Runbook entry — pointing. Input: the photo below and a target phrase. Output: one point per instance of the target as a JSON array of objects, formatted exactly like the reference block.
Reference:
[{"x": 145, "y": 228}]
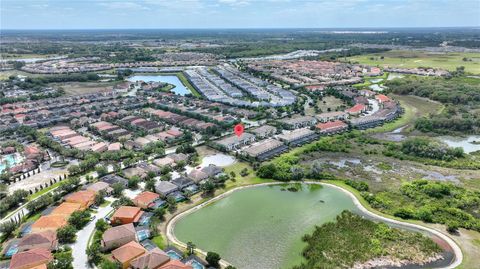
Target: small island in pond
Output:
[{"x": 355, "y": 242}]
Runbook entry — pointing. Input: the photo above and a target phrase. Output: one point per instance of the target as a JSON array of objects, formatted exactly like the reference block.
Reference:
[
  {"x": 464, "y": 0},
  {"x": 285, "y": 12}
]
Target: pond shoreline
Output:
[{"x": 458, "y": 255}]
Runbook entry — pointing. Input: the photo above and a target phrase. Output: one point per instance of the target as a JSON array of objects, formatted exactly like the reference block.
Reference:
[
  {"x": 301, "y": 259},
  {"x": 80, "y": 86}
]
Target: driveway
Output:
[{"x": 80, "y": 259}]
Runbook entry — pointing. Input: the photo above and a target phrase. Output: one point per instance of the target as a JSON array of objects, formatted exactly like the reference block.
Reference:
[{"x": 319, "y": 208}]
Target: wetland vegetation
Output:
[{"x": 367, "y": 241}]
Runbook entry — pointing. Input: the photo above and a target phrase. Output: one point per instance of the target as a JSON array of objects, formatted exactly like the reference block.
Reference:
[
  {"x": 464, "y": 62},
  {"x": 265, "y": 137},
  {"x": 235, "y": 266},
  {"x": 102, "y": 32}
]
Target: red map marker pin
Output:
[{"x": 238, "y": 129}]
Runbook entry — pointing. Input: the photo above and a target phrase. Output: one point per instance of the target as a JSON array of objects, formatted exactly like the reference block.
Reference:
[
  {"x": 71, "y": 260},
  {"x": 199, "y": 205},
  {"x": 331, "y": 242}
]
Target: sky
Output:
[{"x": 166, "y": 14}]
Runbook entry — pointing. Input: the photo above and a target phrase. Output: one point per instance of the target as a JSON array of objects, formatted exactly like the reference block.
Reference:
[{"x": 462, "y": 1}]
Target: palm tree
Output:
[{"x": 190, "y": 248}]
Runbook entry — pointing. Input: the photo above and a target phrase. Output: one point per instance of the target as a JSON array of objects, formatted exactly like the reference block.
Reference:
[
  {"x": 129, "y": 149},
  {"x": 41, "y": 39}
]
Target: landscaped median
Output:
[{"x": 357, "y": 200}]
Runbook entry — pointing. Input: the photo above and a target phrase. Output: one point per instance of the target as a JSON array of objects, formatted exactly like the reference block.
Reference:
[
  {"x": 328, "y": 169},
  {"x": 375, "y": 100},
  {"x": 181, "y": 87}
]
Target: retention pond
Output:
[{"x": 262, "y": 226}]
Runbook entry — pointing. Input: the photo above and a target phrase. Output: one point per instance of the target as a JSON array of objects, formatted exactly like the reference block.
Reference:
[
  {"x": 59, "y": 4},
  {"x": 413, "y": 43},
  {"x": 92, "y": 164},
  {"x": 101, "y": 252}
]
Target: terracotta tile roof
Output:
[
  {"x": 356, "y": 108},
  {"x": 128, "y": 252},
  {"x": 30, "y": 259},
  {"x": 81, "y": 197},
  {"x": 145, "y": 198},
  {"x": 31, "y": 150},
  {"x": 50, "y": 222},
  {"x": 66, "y": 209},
  {"x": 151, "y": 260},
  {"x": 175, "y": 264},
  {"x": 126, "y": 212},
  {"x": 331, "y": 124},
  {"x": 382, "y": 98}
]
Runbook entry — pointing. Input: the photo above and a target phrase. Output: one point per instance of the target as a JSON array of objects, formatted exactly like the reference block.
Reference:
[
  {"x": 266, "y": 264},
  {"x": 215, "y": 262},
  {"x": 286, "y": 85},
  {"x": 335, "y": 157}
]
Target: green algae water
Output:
[{"x": 262, "y": 227}]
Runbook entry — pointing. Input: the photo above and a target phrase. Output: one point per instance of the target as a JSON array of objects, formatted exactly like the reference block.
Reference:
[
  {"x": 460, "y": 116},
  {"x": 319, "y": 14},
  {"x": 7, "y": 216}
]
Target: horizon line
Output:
[{"x": 243, "y": 28}]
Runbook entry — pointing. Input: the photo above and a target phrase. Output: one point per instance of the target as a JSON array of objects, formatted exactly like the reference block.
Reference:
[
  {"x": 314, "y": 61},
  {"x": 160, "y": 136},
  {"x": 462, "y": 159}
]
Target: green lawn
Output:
[
  {"x": 412, "y": 59},
  {"x": 42, "y": 192},
  {"x": 414, "y": 107},
  {"x": 187, "y": 84},
  {"x": 159, "y": 241}
]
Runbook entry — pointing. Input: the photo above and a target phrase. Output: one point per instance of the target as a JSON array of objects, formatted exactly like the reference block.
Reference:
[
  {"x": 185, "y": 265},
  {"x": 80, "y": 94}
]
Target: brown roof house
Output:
[
  {"x": 118, "y": 236},
  {"x": 85, "y": 198},
  {"x": 126, "y": 214},
  {"x": 45, "y": 240},
  {"x": 197, "y": 175},
  {"x": 151, "y": 260},
  {"x": 146, "y": 199},
  {"x": 175, "y": 264},
  {"x": 128, "y": 252},
  {"x": 35, "y": 258},
  {"x": 100, "y": 186}
]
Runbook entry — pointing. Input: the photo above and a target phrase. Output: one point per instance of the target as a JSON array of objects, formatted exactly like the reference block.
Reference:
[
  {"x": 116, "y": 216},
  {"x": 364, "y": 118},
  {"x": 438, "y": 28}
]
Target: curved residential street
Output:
[{"x": 80, "y": 259}]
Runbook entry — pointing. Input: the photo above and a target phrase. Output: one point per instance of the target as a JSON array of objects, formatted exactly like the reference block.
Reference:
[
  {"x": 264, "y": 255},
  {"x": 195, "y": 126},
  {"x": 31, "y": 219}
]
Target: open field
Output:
[
  {"x": 76, "y": 88},
  {"x": 330, "y": 103},
  {"x": 412, "y": 59},
  {"x": 415, "y": 107},
  {"x": 13, "y": 56}
]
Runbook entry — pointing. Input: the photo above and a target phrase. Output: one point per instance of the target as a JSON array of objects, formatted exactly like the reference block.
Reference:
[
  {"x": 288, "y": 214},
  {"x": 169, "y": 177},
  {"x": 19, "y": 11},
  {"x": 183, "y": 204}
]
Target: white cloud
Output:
[{"x": 123, "y": 5}]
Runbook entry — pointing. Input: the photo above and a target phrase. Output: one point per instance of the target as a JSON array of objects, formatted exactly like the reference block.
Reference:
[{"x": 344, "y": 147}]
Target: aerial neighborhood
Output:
[{"x": 268, "y": 148}]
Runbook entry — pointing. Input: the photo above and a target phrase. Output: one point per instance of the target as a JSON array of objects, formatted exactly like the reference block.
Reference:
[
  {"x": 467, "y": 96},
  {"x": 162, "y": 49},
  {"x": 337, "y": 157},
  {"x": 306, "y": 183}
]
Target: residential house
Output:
[
  {"x": 50, "y": 222},
  {"x": 265, "y": 149},
  {"x": 36, "y": 258},
  {"x": 264, "y": 131},
  {"x": 233, "y": 142},
  {"x": 134, "y": 171},
  {"x": 100, "y": 186},
  {"x": 182, "y": 182},
  {"x": 44, "y": 240},
  {"x": 175, "y": 264},
  {"x": 165, "y": 188},
  {"x": 112, "y": 179},
  {"x": 165, "y": 161},
  {"x": 118, "y": 236},
  {"x": 85, "y": 198},
  {"x": 126, "y": 214},
  {"x": 127, "y": 253},
  {"x": 331, "y": 116},
  {"x": 146, "y": 199},
  {"x": 332, "y": 127},
  {"x": 298, "y": 122},
  {"x": 66, "y": 209},
  {"x": 178, "y": 157},
  {"x": 298, "y": 137},
  {"x": 197, "y": 175},
  {"x": 212, "y": 170},
  {"x": 150, "y": 260},
  {"x": 357, "y": 109}
]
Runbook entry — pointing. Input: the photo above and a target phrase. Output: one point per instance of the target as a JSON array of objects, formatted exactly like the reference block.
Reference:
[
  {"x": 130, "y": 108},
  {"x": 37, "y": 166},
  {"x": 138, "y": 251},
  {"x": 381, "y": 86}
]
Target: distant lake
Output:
[{"x": 179, "y": 89}]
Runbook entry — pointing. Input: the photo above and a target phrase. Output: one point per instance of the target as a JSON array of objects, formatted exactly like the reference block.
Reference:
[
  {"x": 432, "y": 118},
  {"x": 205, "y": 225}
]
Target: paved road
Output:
[{"x": 80, "y": 259}]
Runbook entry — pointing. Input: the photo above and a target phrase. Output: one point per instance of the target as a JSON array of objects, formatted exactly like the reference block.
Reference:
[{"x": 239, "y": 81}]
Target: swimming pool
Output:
[
  {"x": 196, "y": 265},
  {"x": 8, "y": 161},
  {"x": 142, "y": 235},
  {"x": 174, "y": 255},
  {"x": 13, "y": 250}
]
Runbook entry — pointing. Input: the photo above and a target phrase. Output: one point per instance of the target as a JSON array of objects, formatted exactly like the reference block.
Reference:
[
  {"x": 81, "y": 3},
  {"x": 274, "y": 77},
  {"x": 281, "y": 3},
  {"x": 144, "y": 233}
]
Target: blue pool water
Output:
[
  {"x": 174, "y": 255},
  {"x": 179, "y": 89},
  {"x": 197, "y": 265},
  {"x": 8, "y": 161},
  {"x": 142, "y": 235},
  {"x": 13, "y": 250}
]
